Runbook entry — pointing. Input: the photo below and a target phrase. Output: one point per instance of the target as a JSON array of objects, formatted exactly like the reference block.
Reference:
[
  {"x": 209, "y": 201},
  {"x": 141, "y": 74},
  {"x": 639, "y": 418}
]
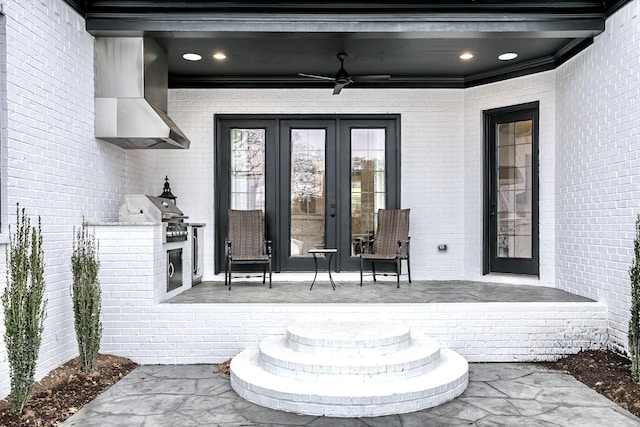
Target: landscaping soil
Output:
[
  {"x": 607, "y": 373},
  {"x": 65, "y": 390}
]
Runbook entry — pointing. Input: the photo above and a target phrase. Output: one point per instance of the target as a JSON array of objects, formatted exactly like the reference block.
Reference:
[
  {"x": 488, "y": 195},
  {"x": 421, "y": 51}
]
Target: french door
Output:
[
  {"x": 319, "y": 179},
  {"x": 511, "y": 190}
]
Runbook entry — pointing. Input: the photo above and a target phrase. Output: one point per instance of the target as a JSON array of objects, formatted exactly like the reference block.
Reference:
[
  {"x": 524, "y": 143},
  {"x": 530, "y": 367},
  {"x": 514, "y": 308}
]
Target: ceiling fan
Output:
[{"x": 342, "y": 78}]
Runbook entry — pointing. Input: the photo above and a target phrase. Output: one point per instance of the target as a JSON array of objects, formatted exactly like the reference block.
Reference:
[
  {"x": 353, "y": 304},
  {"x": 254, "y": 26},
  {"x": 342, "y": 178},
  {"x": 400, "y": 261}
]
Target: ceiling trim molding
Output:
[
  {"x": 427, "y": 25},
  {"x": 109, "y": 6}
]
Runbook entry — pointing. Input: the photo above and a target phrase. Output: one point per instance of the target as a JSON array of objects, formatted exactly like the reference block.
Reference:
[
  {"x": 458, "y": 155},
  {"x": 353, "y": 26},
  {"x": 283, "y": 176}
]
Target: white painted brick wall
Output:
[
  {"x": 52, "y": 165},
  {"x": 212, "y": 333},
  {"x": 598, "y": 168}
]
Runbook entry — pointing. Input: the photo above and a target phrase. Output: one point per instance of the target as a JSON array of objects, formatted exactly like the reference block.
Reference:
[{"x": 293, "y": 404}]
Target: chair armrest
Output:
[
  {"x": 365, "y": 244},
  {"x": 404, "y": 243}
]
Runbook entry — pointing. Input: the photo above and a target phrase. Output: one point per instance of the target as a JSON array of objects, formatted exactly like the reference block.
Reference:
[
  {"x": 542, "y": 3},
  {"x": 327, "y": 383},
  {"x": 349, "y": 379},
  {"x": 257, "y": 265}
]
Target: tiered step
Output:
[{"x": 349, "y": 369}]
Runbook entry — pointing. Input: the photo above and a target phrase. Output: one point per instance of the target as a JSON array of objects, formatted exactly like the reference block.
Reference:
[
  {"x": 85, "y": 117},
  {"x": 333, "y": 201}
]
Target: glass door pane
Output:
[
  {"x": 247, "y": 168},
  {"x": 514, "y": 190},
  {"x": 368, "y": 183},
  {"x": 307, "y": 185}
]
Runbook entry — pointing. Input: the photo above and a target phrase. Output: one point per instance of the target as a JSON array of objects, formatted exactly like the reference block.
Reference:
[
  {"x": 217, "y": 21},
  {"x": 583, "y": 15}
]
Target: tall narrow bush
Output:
[
  {"x": 634, "y": 323},
  {"x": 24, "y": 307},
  {"x": 86, "y": 297}
]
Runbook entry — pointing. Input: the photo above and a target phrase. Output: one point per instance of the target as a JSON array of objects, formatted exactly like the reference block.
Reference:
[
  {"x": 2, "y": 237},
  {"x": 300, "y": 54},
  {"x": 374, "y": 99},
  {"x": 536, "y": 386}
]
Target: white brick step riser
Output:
[
  {"x": 348, "y": 399},
  {"x": 417, "y": 359},
  {"x": 359, "y": 337}
]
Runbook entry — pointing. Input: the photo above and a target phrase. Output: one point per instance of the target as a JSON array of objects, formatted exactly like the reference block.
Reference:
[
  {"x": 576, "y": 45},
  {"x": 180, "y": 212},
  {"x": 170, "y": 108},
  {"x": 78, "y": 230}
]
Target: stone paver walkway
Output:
[{"x": 499, "y": 394}]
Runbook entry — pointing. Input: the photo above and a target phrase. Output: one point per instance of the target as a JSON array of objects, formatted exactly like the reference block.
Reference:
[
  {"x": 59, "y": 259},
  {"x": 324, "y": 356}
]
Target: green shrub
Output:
[
  {"x": 634, "y": 323},
  {"x": 86, "y": 297},
  {"x": 24, "y": 308}
]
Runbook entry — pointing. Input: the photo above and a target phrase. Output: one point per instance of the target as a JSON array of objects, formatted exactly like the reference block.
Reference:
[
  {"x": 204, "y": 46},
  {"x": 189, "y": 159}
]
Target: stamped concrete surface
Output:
[
  {"x": 295, "y": 290},
  {"x": 499, "y": 394}
]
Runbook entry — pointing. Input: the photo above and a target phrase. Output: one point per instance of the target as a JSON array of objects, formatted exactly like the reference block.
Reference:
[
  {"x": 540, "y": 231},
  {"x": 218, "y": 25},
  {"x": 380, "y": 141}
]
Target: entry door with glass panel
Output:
[
  {"x": 319, "y": 180},
  {"x": 308, "y": 206},
  {"x": 512, "y": 215},
  {"x": 372, "y": 151}
]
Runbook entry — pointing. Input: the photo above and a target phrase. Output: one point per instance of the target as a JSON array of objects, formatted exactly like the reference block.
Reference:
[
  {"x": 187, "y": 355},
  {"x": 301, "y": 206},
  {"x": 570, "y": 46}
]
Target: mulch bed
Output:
[
  {"x": 65, "y": 390},
  {"x": 607, "y": 373}
]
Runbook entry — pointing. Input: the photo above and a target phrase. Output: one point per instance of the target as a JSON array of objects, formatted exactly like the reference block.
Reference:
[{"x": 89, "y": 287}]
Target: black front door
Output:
[{"x": 511, "y": 195}]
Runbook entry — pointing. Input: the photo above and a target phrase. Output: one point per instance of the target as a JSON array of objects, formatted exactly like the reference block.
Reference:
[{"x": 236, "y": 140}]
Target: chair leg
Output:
[
  {"x": 360, "y": 271},
  {"x": 229, "y": 269},
  {"x": 398, "y": 271},
  {"x": 226, "y": 272},
  {"x": 264, "y": 274},
  {"x": 409, "y": 268},
  {"x": 269, "y": 274},
  {"x": 373, "y": 270}
]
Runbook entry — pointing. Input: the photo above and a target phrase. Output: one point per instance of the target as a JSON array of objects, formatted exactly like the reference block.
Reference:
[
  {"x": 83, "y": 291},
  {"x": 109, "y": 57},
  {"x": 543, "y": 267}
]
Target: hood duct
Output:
[{"x": 131, "y": 82}]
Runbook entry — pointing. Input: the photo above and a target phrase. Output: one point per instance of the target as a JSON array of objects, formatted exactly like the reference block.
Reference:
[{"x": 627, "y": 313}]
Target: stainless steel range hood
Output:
[{"x": 131, "y": 83}]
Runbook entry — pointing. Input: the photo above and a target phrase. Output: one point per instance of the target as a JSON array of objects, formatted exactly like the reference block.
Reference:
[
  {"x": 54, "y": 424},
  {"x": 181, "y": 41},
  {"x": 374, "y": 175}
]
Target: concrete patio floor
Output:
[
  {"x": 499, "y": 394},
  {"x": 295, "y": 289}
]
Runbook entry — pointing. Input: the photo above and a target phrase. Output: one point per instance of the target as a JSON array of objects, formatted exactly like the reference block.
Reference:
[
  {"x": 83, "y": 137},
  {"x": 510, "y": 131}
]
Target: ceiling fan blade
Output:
[
  {"x": 338, "y": 87},
  {"x": 313, "y": 76},
  {"x": 370, "y": 77}
]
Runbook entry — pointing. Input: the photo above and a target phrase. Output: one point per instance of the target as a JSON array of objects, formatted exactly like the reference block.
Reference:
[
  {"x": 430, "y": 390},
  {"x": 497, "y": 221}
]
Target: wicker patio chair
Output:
[
  {"x": 246, "y": 243},
  {"x": 390, "y": 243}
]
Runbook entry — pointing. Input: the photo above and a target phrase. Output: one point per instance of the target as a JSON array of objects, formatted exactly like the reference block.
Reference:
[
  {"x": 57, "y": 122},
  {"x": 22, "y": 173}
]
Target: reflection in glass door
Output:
[
  {"x": 368, "y": 183},
  {"x": 515, "y": 146},
  {"x": 247, "y": 168},
  {"x": 307, "y": 209}
]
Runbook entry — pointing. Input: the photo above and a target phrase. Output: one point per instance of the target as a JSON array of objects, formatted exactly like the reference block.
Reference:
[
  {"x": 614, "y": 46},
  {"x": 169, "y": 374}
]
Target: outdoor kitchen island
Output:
[
  {"x": 146, "y": 254},
  {"x": 136, "y": 263}
]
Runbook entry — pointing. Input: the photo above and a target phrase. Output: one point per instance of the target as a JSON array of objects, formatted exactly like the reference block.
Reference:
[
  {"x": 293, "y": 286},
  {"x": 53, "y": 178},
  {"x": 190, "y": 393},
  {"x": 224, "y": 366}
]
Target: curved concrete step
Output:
[
  {"x": 420, "y": 357},
  {"x": 334, "y": 397},
  {"x": 356, "y": 337}
]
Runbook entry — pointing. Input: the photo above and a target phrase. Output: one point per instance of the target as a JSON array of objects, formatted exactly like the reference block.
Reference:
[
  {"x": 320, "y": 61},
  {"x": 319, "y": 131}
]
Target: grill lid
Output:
[{"x": 142, "y": 208}]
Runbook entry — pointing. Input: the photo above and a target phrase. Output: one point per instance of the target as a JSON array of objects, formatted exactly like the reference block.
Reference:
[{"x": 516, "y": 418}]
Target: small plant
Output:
[
  {"x": 86, "y": 297},
  {"x": 634, "y": 323},
  {"x": 24, "y": 308}
]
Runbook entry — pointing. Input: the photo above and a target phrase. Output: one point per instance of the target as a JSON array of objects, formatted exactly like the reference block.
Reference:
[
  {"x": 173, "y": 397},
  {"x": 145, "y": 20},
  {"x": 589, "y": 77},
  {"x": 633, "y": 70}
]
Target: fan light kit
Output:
[{"x": 342, "y": 77}]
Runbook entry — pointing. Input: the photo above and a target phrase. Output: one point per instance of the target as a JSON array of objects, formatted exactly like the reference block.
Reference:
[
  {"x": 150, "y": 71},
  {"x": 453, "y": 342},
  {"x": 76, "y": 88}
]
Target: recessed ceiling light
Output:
[
  {"x": 465, "y": 56},
  {"x": 219, "y": 56},
  {"x": 192, "y": 57},
  {"x": 508, "y": 56}
]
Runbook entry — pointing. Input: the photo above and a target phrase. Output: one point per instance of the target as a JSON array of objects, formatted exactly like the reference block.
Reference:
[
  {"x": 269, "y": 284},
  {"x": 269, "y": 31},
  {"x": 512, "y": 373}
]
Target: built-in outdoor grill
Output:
[{"x": 141, "y": 208}]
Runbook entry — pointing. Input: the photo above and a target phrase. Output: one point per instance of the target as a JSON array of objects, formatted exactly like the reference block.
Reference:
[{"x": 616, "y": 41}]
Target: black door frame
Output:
[
  {"x": 274, "y": 153},
  {"x": 491, "y": 263}
]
